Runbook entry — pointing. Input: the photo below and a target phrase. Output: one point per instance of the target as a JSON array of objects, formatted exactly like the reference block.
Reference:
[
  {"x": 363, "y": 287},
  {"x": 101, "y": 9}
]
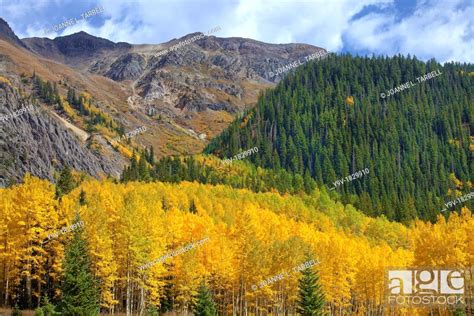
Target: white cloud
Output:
[
  {"x": 156, "y": 21},
  {"x": 443, "y": 30},
  {"x": 319, "y": 22}
]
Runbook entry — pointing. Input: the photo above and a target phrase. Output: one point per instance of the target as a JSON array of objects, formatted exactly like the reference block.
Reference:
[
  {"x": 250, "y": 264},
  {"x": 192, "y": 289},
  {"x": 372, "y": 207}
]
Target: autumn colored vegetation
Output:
[
  {"x": 252, "y": 236},
  {"x": 78, "y": 107}
]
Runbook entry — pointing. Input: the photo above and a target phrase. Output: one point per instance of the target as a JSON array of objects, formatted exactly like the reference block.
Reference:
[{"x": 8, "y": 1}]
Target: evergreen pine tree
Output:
[
  {"x": 152, "y": 155},
  {"x": 192, "y": 207},
  {"x": 205, "y": 304},
  {"x": 459, "y": 312},
  {"x": 79, "y": 289},
  {"x": 82, "y": 198},
  {"x": 133, "y": 170},
  {"x": 143, "y": 173},
  {"x": 66, "y": 182},
  {"x": 46, "y": 309},
  {"x": 311, "y": 296}
]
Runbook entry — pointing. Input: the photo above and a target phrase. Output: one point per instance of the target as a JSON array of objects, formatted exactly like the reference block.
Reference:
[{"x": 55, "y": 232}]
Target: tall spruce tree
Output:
[
  {"x": 143, "y": 173},
  {"x": 205, "y": 305},
  {"x": 66, "y": 182},
  {"x": 79, "y": 289},
  {"x": 311, "y": 296}
]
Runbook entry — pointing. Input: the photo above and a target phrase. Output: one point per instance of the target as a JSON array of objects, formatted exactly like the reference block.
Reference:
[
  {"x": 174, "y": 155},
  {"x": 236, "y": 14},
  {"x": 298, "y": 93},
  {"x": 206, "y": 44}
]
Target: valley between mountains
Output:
[{"x": 227, "y": 176}]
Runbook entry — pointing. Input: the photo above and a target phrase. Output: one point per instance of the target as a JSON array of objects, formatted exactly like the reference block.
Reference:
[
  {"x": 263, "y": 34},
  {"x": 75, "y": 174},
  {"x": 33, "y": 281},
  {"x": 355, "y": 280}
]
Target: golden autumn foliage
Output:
[
  {"x": 350, "y": 100},
  {"x": 68, "y": 109},
  {"x": 122, "y": 148},
  {"x": 252, "y": 236},
  {"x": 5, "y": 80},
  {"x": 455, "y": 142},
  {"x": 88, "y": 105},
  {"x": 246, "y": 119}
]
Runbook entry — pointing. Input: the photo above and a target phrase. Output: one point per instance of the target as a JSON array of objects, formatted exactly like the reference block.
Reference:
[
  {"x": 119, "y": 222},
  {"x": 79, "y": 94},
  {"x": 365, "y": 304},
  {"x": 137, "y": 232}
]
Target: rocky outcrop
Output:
[
  {"x": 8, "y": 35},
  {"x": 78, "y": 44},
  {"x": 209, "y": 73},
  {"x": 188, "y": 84},
  {"x": 128, "y": 66},
  {"x": 31, "y": 140}
]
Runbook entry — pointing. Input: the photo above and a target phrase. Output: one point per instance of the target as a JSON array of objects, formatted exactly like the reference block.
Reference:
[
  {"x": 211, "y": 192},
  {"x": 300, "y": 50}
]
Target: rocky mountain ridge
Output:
[
  {"x": 7, "y": 34},
  {"x": 183, "y": 96},
  {"x": 205, "y": 74}
]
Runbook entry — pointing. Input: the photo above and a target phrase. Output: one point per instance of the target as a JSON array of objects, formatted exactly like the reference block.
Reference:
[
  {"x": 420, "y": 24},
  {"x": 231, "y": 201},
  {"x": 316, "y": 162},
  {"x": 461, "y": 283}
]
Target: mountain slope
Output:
[
  {"x": 329, "y": 120},
  {"x": 183, "y": 97},
  {"x": 34, "y": 140},
  {"x": 216, "y": 74},
  {"x": 74, "y": 50},
  {"x": 8, "y": 35}
]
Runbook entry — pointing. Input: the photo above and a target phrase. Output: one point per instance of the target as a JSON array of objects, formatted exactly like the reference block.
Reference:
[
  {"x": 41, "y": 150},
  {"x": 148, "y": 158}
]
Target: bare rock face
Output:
[
  {"x": 126, "y": 67},
  {"x": 31, "y": 140},
  {"x": 209, "y": 73},
  {"x": 185, "y": 91},
  {"x": 8, "y": 35}
]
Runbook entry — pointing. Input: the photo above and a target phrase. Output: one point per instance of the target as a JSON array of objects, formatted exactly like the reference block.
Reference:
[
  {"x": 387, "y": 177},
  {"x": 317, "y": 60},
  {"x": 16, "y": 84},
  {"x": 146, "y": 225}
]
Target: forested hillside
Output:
[
  {"x": 244, "y": 238},
  {"x": 329, "y": 120},
  {"x": 208, "y": 169}
]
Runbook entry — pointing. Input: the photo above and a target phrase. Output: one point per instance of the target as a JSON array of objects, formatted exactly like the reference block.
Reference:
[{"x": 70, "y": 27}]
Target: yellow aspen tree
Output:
[
  {"x": 8, "y": 240},
  {"x": 34, "y": 201}
]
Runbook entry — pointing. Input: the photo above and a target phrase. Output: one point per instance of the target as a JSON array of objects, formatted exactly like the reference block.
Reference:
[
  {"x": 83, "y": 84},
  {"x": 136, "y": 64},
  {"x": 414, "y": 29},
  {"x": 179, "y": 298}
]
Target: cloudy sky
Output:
[{"x": 441, "y": 29}]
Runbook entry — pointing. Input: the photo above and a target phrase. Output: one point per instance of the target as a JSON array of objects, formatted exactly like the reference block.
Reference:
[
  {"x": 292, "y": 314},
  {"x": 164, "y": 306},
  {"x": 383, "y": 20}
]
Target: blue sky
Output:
[{"x": 428, "y": 29}]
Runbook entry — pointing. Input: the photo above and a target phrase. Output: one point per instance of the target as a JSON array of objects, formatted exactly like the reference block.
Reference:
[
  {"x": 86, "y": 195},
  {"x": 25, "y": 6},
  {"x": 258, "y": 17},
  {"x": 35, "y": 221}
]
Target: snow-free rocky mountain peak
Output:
[{"x": 184, "y": 97}]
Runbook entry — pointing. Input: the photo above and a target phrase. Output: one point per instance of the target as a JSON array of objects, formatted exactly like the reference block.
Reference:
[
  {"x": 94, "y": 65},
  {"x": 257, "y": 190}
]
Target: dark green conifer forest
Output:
[{"x": 416, "y": 143}]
